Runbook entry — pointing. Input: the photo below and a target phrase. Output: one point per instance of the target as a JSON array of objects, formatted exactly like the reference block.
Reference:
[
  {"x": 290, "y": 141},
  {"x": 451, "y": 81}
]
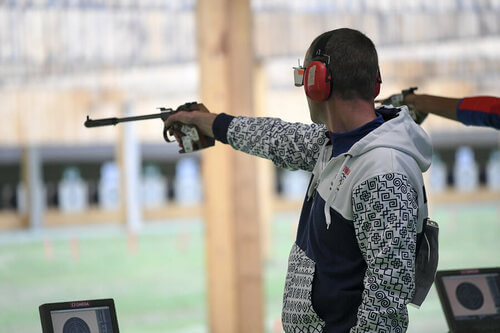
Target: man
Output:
[{"x": 352, "y": 267}]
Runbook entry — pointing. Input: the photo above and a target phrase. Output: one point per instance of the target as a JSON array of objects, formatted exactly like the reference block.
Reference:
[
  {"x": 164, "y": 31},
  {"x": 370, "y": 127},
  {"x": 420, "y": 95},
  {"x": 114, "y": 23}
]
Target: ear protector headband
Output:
[{"x": 317, "y": 78}]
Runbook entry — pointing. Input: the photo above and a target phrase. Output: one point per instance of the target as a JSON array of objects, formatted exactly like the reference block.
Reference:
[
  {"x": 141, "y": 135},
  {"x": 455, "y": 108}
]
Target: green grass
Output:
[
  {"x": 469, "y": 237},
  {"x": 161, "y": 287}
]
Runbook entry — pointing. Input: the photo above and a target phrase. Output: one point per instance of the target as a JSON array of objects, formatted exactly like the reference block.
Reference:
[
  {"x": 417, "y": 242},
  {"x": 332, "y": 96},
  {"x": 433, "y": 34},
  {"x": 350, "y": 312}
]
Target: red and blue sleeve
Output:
[{"x": 479, "y": 111}]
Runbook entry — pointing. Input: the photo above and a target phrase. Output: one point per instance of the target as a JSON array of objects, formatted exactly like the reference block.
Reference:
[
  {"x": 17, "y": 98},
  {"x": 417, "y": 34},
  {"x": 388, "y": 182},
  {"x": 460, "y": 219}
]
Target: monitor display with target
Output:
[
  {"x": 470, "y": 299},
  {"x": 93, "y": 316}
]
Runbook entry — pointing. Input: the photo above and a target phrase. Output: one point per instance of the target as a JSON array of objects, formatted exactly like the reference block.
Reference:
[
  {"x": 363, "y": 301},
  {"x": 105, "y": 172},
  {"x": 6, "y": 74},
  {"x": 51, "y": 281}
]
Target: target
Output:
[{"x": 76, "y": 325}]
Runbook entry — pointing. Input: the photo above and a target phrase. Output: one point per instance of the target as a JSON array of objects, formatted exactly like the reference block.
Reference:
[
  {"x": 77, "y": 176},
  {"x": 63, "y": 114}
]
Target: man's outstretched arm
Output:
[{"x": 287, "y": 145}]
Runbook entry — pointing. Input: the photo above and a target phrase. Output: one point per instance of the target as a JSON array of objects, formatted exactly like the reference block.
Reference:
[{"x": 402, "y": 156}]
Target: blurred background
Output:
[{"x": 65, "y": 233}]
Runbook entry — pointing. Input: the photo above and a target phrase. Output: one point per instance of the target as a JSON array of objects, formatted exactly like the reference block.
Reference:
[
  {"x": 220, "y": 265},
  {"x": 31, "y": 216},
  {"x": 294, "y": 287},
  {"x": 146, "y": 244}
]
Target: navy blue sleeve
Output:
[{"x": 220, "y": 127}]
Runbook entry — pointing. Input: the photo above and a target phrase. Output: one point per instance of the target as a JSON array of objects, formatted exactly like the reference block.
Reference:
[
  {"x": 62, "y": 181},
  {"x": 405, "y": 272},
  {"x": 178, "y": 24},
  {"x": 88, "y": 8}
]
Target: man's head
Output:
[{"x": 352, "y": 62}]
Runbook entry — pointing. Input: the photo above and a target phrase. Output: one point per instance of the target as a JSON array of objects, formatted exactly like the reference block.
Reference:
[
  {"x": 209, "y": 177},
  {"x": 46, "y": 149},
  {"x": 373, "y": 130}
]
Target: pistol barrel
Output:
[
  {"x": 113, "y": 121},
  {"x": 101, "y": 122}
]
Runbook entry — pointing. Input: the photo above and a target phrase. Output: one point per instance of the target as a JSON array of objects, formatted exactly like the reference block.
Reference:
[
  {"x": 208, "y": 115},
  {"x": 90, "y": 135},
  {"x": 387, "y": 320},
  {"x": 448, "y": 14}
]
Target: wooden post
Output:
[
  {"x": 33, "y": 185},
  {"x": 265, "y": 168},
  {"x": 129, "y": 159},
  {"x": 235, "y": 294}
]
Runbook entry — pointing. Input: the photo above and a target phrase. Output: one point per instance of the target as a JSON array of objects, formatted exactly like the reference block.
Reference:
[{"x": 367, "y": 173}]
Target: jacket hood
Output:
[
  {"x": 401, "y": 133},
  {"x": 398, "y": 132}
]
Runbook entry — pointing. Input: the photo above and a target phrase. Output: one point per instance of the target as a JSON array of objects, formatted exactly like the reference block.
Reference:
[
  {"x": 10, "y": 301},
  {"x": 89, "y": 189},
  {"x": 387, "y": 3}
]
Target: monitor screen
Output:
[
  {"x": 473, "y": 296},
  {"x": 470, "y": 299},
  {"x": 81, "y": 316}
]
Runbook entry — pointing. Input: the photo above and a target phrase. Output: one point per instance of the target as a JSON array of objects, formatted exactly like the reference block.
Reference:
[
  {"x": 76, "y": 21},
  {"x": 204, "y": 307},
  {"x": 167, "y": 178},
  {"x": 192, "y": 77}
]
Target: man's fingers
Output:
[
  {"x": 180, "y": 117},
  {"x": 178, "y": 138},
  {"x": 201, "y": 118}
]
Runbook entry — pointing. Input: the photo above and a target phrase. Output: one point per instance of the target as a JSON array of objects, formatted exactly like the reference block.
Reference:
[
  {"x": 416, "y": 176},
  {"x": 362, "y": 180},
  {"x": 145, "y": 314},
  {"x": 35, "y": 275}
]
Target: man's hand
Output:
[
  {"x": 409, "y": 100},
  {"x": 201, "y": 118}
]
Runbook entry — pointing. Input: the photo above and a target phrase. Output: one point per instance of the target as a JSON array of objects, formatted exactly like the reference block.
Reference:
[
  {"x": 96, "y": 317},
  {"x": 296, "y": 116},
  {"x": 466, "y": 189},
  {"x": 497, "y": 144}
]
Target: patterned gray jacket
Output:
[{"x": 352, "y": 266}]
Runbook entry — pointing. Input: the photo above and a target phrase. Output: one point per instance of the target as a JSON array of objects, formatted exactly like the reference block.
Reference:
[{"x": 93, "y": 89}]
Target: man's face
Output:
[{"x": 316, "y": 111}]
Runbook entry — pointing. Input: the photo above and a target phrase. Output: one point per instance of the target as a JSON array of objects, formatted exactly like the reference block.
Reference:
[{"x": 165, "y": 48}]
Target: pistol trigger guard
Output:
[{"x": 166, "y": 135}]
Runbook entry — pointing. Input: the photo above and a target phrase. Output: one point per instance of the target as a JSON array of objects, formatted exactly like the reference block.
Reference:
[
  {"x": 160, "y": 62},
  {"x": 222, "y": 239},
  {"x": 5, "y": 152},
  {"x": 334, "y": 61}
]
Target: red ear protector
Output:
[
  {"x": 317, "y": 78},
  {"x": 318, "y": 81}
]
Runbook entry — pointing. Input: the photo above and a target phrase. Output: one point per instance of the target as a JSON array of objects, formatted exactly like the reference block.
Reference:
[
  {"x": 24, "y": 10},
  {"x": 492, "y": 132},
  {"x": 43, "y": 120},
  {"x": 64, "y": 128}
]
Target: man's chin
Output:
[{"x": 315, "y": 120}]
